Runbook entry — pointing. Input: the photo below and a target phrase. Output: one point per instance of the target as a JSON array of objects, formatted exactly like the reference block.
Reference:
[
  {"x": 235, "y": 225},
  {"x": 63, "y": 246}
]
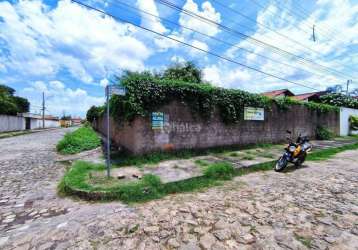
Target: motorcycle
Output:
[{"x": 295, "y": 152}]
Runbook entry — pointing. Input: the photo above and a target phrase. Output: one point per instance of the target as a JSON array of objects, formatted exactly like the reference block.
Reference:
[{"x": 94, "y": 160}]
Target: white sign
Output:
[
  {"x": 116, "y": 90},
  {"x": 254, "y": 114}
]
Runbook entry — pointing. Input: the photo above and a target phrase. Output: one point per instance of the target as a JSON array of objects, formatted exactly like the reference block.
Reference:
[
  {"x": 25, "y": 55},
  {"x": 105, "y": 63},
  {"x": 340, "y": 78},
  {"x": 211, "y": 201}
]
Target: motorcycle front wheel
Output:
[{"x": 281, "y": 164}]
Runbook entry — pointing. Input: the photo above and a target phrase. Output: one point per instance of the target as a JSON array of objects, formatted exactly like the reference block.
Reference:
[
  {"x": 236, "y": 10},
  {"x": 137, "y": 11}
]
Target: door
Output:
[{"x": 27, "y": 123}]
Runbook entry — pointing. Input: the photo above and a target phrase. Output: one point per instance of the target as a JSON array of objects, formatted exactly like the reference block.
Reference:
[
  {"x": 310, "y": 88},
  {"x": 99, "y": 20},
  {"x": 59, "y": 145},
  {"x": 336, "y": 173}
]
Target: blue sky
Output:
[{"x": 69, "y": 51}]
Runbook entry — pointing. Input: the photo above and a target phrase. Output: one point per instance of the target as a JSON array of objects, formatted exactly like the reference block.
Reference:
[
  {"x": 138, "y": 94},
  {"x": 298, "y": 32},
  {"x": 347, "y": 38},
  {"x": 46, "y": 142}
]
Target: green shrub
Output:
[
  {"x": 323, "y": 133},
  {"x": 340, "y": 100},
  {"x": 84, "y": 138},
  {"x": 221, "y": 170},
  {"x": 353, "y": 122}
]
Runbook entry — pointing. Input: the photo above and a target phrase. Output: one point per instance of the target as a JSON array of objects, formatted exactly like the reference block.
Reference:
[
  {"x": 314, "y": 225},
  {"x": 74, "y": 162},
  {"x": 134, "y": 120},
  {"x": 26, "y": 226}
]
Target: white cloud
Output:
[
  {"x": 208, "y": 11},
  {"x": 177, "y": 59},
  {"x": 59, "y": 98},
  {"x": 104, "y": 82},
  {"x": 150, "y": 21},
  {"x": 200, "y": 45},
  {"x": 42, "y": 41}
]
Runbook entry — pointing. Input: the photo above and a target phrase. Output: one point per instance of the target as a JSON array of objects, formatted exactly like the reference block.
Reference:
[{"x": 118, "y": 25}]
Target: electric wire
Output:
[
  {"x": 192, "y": 46},
  {"x": 273, "y": 48},
  {"x": 117, "y": 3}
]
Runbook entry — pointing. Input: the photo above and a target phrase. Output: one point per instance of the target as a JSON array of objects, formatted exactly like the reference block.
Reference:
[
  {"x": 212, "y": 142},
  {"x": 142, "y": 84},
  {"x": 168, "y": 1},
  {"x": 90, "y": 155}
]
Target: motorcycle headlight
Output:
[{"x": 291, "y": 149}]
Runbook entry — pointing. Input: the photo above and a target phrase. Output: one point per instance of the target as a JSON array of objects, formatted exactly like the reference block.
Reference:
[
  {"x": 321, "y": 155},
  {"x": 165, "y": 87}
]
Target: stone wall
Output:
[{"x": 184, "y": 130}]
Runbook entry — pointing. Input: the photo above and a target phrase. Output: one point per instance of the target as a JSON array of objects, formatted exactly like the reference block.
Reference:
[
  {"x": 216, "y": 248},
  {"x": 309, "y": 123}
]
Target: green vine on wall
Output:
[{"x": 147, "y": 93}]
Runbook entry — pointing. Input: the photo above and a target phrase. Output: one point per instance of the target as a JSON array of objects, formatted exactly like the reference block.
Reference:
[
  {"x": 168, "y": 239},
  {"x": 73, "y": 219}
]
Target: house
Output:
[
  {"x": 309, "y": 97},
  {"x": 278, "y": 93},
  {"x": 76, "y": 121}
]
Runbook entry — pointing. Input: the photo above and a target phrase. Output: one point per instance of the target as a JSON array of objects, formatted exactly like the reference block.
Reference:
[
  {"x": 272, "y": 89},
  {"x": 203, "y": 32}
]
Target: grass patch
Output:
[
  {"x": 220, "y": 170},
  {"x": 248, "y": 157},
  {"x": 202, "y": 163},
  {"x": 82, "y": 139},
  {"x": 329, "y": 152}
]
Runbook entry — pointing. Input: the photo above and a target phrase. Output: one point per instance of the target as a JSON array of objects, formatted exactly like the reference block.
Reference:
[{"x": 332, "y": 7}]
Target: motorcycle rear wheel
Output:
[{"x": 281, "y": 164}]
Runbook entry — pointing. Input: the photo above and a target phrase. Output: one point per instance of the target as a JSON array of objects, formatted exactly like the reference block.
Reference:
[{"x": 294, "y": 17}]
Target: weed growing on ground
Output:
[
  {"x": 306, "y": 241},
  {"x": 202, "y": 163},
  {"x": 82, "y": 139}
]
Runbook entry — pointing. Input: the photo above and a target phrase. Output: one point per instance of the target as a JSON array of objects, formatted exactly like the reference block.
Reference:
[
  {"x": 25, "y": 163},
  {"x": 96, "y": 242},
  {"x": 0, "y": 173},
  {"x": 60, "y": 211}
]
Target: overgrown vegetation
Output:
[
  {"x": 11, "y": 104},
  {"x": 353, "y": 122},
  {"x": 146, "y": 92},
  {"x": 323, "y": 133},
  {"x": 340, "y": 100},
  {"x": 76, "y": 180},
  {"x": 84, "y": 138}
]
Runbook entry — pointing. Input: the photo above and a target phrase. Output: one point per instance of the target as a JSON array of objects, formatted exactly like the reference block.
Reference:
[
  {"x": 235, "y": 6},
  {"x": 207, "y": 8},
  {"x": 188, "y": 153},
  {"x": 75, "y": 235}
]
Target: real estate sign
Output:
[
  {"x": 254, "y": 114},
  {"x": 157, "y": 120}
]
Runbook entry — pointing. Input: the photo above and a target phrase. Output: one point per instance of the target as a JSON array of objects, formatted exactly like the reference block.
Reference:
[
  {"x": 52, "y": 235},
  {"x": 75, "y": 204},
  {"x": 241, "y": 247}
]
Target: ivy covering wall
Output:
[{"x": 146, "y": 93}]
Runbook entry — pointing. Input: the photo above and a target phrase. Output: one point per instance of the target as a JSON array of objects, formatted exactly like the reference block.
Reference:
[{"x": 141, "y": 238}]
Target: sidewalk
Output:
[{"x": 181, "y": 169}]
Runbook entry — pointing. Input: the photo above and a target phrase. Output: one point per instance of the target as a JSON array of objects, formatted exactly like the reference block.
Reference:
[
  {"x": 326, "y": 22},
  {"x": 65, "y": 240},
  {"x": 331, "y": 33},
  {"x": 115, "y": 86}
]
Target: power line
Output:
[
  {"x": 267, "y": 27},
  {"x": 263, "y": 25},
  {"x": 192, "y": 46},
  {"x": 256, "y": 2},
  {"x": 304, "y": 15},
  {"x": 276, "y": 49},
  {"x": 208, "y": 36}
]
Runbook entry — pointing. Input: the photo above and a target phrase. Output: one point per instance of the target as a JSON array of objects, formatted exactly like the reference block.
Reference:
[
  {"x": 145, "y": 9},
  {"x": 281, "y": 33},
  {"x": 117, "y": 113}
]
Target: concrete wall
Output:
[
  {"x": 345, "y": 113},
  {"x": 183, "y": 130},
  {"x": 48, "y": 124},
  {"x": 11, "y": 123}
]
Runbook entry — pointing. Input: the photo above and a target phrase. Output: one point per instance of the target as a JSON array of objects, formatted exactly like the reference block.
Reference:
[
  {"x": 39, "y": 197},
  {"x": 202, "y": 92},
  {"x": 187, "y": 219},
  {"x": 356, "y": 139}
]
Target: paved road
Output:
[{"x": 315, "y": 206}]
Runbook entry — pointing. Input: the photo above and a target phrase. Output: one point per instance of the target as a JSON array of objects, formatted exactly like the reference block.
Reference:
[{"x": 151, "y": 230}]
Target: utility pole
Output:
[
  {"x": 314, "y": 34},
  {"x": 43, "y": 109},
  {"x": 348, "y": 82}
]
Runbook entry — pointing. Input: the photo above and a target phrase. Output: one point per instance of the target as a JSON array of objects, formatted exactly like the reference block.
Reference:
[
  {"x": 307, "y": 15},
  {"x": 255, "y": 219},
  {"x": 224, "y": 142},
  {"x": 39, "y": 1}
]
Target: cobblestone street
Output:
[{"x": 315, "y": 206}]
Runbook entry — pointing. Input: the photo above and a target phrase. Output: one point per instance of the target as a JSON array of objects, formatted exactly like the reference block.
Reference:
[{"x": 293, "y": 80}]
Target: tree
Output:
[
  {"x": 6, "y": 90},
  {"x": 93, "y": 113},
  {"x": 22, "y": 104},
  {"x": 10, "y": 104},
  {"x": 187, "y": 72}
]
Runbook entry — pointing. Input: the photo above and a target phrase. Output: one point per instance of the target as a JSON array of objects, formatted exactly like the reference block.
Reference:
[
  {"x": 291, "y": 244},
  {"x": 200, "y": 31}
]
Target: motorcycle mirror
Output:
[{"x": 288, "y": 131}]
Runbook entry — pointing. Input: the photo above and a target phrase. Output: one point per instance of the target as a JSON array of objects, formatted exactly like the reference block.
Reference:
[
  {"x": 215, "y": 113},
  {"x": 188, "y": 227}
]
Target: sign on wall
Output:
[
  {"x": 254, "y": 114},
  {"x": 157, "y": 120}
]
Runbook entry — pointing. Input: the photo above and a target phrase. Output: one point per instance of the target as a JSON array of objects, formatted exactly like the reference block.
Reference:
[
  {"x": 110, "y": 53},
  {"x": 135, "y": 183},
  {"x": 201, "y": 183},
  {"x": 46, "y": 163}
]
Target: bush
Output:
[
  {"x": 84, "y": 138},
  {"x": 221, "y": 170},
  {"x": 323, "y": 133},
  {"x": 340, "y": 100},
  {"x": 353, "y": 122}
]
